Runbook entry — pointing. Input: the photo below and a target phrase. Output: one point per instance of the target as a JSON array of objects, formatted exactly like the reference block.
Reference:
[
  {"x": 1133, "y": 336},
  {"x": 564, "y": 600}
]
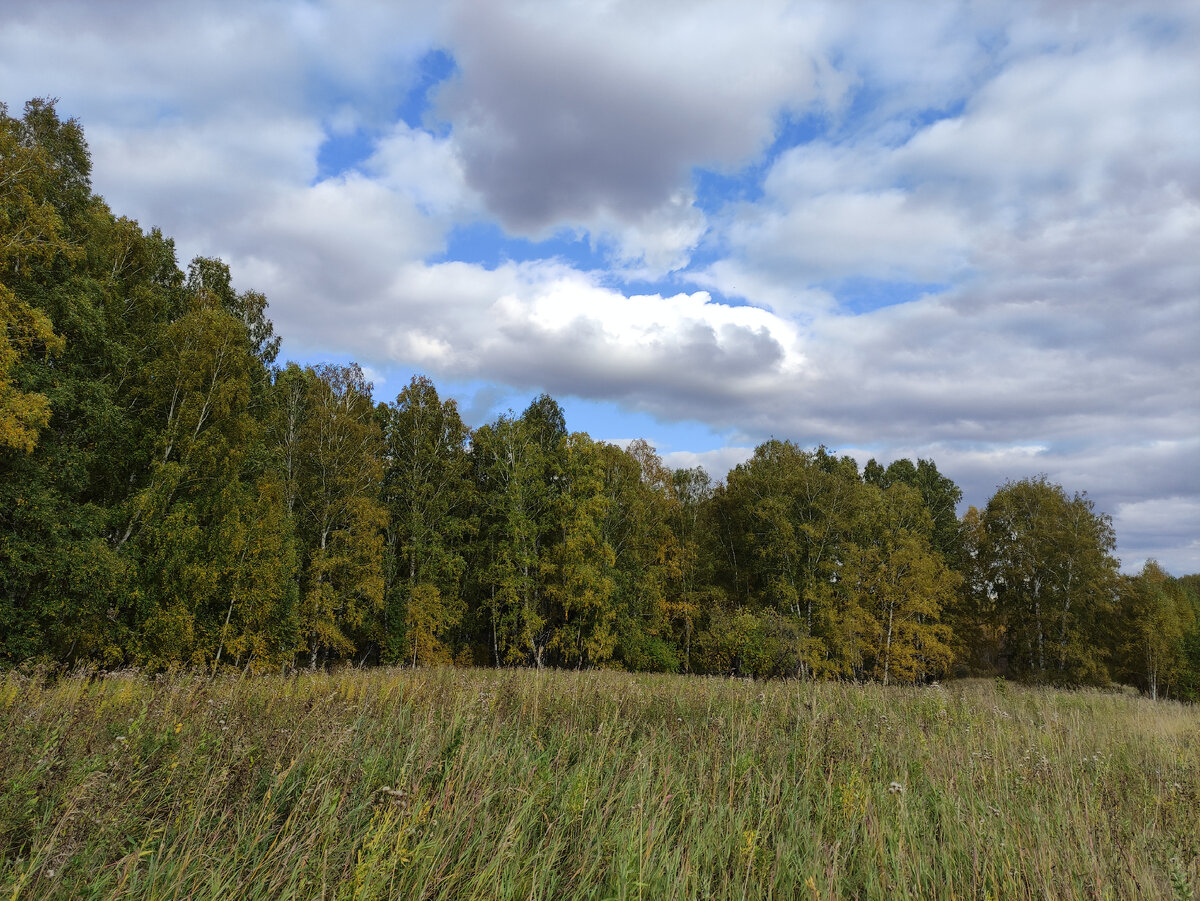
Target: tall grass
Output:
[{"x": 519, "y": 784}]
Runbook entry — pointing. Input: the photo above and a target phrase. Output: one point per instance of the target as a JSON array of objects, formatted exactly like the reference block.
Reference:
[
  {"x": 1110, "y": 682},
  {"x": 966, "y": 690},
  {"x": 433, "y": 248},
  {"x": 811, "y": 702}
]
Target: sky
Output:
[{"x": 961, "y": 231}]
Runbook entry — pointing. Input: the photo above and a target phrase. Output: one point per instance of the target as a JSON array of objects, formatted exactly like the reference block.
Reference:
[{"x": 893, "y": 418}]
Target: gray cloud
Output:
[{"x": 572, "y": 112}]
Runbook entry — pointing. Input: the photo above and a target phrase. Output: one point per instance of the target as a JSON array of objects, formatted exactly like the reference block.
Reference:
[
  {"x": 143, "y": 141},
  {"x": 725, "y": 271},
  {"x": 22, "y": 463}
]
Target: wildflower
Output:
[{"x": 896, "y": 789}]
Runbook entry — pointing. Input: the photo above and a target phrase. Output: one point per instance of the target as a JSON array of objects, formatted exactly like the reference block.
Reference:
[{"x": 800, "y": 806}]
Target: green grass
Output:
[{"x": 514, "y": 784}]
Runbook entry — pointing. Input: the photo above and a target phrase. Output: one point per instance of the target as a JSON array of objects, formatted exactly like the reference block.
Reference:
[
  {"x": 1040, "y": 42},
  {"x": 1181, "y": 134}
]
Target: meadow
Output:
[{"x": 498, "y": 784}]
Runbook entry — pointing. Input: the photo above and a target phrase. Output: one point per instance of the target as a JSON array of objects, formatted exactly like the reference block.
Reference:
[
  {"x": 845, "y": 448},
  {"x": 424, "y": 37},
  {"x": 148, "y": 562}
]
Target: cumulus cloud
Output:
[{"x": 675, "y": 356}]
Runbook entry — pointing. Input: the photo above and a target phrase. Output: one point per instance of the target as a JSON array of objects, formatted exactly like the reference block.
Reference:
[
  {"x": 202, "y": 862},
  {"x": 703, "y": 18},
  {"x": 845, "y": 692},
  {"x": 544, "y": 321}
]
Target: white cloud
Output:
[
  {"x": 674, "y": 356},
  {"x": 886, "y": 234},
  {"x": 658, "y": 242},
  {"x": 426, "y": 170}
]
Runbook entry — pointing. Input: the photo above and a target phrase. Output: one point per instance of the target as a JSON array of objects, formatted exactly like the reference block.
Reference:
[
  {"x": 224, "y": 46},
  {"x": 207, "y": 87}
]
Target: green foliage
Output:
[
  {"x": 31, "y": 232},
  {"x": 648, "y": 595},
  {"x": 741, "y": 642},
  {"x": 1155, "y": 619},
  {"x": 578, "y": 567},
  {"x": 427, "y": 617},
  {"x": 257, "y": 575},
  {"x": 939, "y": 495},
  {"x": 67, "y": 304},
  {"x": 1047, "y": 559},
  {"x": 427, "y": 491},
  {"x": 339, "y": 516},
  {"x": 508, "y": 481},
  {"x": 690, "y": 522}
]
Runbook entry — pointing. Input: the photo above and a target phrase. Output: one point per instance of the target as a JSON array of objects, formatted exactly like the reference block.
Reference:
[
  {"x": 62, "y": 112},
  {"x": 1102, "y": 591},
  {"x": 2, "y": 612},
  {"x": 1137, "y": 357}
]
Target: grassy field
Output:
[{"x": 518, "y": 784}]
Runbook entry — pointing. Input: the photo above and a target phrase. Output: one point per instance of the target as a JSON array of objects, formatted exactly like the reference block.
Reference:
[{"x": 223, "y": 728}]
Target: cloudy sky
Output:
[{"x": 965, "y": 231}]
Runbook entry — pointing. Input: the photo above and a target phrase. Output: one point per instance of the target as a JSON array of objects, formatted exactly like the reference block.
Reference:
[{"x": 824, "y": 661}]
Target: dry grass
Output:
[{"x": 515, "y": 784}]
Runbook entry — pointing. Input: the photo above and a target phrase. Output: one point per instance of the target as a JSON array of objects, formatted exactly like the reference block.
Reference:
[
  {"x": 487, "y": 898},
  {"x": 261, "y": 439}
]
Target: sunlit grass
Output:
[{"x": 515, "y": 784}]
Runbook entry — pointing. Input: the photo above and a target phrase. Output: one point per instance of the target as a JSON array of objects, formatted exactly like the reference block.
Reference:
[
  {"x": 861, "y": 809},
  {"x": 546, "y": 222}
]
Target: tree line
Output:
[{"x": 171, "y": 494}]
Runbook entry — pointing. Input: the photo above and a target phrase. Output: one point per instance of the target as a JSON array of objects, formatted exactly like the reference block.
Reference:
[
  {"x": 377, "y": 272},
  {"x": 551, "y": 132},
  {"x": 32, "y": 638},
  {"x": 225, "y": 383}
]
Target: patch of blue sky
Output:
[
  {"x": 879, "y": 112},
  {"x": 667, "y": 286},
  {"x": 868, "y": 101},
  {"x": 416, "y": 109},
  {"x": 715, "y": 189},
  {"x": 858, "y": 294},
  {"x": 794, "y": 130},
  {"x": 926, "y": 117},
  {"x": 727, "y": 300},
  {"x": 341, "y": 153},
  {"x": 675, "y": 283},
  {"x": 712, "y": 247},
  {"x": 480, "y": 402},
  {"x": 488, "y": 245},
  {"x": 610, "y": 421}
]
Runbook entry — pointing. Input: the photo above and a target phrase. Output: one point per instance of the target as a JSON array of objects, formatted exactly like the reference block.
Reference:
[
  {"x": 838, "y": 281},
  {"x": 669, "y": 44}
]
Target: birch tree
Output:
[
  {"x": 340, "y": 518},
  {"x": 578, "y": 567},
  {"x": 428, "y": 497},
  {"x": 1051, "y": 569},
  {"x": 1155, "y": 618}
]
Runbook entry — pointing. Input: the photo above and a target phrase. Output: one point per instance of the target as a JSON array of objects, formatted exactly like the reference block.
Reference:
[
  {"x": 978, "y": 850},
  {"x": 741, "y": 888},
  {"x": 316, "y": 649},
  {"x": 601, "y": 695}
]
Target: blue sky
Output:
[{"x": 957, "y": 230}]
